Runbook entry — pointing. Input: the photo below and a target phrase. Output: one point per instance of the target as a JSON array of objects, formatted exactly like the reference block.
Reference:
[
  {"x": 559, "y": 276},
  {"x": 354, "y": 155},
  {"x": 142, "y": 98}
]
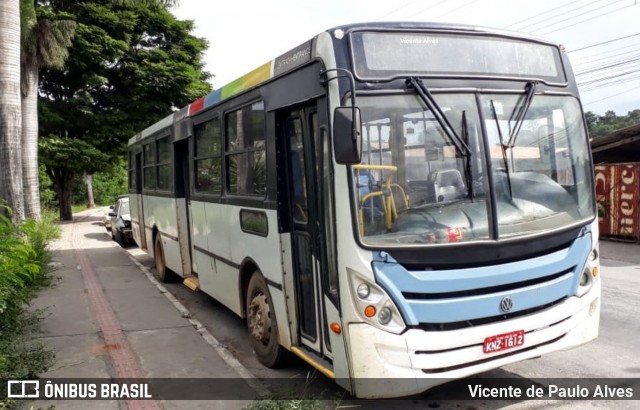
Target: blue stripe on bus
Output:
[
  {"x": 212, "y": 98},
  {"x": 396, "y": 280}
]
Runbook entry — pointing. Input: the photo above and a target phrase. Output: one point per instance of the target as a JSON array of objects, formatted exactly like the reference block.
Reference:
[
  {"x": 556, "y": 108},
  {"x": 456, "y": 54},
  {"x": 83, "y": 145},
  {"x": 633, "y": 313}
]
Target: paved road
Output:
[{"x": 616, "y": 353}]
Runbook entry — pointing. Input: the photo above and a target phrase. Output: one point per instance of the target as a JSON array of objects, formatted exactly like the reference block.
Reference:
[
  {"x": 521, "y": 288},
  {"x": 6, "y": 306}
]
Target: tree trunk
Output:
[
  {"x": 30, "y": 175},
  {"x": 63, "y": 182},
  {"x": 88, "y": 181},
  {"x": 10, "y": 117}
]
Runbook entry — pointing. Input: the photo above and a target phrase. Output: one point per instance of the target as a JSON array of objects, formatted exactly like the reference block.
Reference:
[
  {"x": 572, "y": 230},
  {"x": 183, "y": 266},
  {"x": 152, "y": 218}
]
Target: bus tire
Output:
[
  {"x": 161, "y": 272},
  {"x": 262, "y": 325}
]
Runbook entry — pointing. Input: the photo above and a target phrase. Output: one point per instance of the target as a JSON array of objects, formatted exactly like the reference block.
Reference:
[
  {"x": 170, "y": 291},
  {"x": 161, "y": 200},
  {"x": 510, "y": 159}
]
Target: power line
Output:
[
  {"x": 606, "y": 66},
  {"x": 610, "y": 96},
  {"x": 614, "y": 83},
  {"x": 427, "y": 8},
  {"x": 589, "y": 59},
  {"x": 607, "y": 79},
  {"x": 568, "y": 12},
  {"x": 457, "y": 8},
  {"x": 397, "y": 9},
  {"x": 604, "y": 42},
  {"x": 540, "y": 14},
  {"x": 591, "y": 18},
  {"x": 610, "y": 80}
]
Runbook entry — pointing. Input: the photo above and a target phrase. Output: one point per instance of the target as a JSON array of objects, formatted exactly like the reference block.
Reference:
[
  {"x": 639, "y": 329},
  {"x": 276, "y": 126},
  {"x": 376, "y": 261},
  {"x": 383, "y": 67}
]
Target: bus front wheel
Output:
[{"x": 262, "y": 324}]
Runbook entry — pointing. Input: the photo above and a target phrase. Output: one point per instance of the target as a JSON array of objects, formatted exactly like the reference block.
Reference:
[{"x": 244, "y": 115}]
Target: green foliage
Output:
[
  {"x": 131, "y": 63},
  {"x": 45, "y": 37},
  {"x": 47, "y": 191},
  {"x": 73, "y": 155},
  {"x": 128, "y": 67},
  {"x": 23, "y": 257},
  {"x": 107, "y": 185},
  {"x": 600, "y": 125},
  {"x": 17, "y": 264},
  {"x": 24, "y": 269}
]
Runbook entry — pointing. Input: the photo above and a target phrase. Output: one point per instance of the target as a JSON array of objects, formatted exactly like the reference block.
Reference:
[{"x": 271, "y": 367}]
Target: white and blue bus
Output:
[{"x": 409, "y": 202}]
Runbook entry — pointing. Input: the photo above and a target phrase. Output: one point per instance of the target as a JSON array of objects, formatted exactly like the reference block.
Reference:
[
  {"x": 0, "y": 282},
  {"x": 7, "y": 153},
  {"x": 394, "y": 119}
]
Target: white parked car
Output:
[{"x": 120, "y": 222}]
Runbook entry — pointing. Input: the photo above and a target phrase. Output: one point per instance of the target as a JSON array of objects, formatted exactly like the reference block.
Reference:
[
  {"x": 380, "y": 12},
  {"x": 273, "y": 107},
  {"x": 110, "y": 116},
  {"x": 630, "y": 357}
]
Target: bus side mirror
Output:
[{"x": 347, "y": 135}]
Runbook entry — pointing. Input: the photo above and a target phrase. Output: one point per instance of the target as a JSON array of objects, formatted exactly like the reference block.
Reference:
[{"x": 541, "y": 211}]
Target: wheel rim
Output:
[{"x": 259, "y": 318}]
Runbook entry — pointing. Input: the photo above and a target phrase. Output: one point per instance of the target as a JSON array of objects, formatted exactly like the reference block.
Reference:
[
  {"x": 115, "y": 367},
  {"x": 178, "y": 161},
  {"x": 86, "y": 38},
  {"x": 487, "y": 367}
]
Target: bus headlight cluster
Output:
[
  {"x": 590, "y": 273},
  {"x": 374, "y": 304}
]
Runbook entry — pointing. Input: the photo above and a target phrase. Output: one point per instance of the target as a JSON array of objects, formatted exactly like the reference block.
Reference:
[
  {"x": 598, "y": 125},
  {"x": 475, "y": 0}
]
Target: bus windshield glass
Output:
[
  {"x": 384, "y": 55},
  {"x": 414, "y": 187}
]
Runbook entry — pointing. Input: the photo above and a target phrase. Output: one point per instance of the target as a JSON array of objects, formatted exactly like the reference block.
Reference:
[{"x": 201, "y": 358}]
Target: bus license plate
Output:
[{"x": 503, "y": 342}]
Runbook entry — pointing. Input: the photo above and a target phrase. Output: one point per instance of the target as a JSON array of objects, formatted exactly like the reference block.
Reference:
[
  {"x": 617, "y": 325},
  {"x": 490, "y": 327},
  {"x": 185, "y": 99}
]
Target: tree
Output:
[
  {"x": 45, "y": 42},
  {"x": 591, "y": 119},
  {"x": 609, "y": 117},
  {"x": 63, "y": 159},
  {"x": 10, "y": 119},
  {"x": 600, "y": 125},
  {"x": 128, "y": 67}
]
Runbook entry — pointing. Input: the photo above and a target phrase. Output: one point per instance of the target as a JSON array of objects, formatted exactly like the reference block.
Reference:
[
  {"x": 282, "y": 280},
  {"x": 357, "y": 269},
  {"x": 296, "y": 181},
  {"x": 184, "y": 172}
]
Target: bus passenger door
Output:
[
  {"x": 142, "y": 234},
  {"x": 298, "y": 128},
  {"x": 183, "y": 204}
]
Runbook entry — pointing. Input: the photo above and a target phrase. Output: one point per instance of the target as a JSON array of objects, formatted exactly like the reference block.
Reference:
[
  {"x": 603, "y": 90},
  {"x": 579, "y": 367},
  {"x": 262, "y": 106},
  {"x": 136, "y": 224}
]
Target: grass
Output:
[
  {"x": 302, "y": 404},
  {"x": 78, "y": 208},
  {"x": 25, "y": 269},
  {"x": 298, "y": 400}
]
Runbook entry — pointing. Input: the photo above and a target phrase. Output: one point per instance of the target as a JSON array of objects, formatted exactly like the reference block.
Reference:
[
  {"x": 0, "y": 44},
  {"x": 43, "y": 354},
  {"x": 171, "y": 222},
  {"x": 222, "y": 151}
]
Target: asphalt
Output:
[
  {"x": 107, "y": 319},
  {"x": 620, "y": 251}
]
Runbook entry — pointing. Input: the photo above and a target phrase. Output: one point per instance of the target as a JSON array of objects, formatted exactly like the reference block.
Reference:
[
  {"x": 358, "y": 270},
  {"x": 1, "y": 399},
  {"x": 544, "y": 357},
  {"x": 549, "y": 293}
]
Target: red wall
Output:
[{"x": 618, "y": 195}]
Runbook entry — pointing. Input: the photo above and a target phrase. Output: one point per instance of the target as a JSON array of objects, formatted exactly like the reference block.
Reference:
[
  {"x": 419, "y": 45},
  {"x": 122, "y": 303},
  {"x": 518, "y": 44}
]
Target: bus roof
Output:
[{"x": 300, "y": 55}]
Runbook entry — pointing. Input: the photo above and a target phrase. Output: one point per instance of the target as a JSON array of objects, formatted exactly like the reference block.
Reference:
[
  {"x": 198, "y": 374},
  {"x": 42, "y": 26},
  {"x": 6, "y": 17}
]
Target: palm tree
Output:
[
  {"x": 45, "y": 43},
  {"x": 10, "y": 119}
]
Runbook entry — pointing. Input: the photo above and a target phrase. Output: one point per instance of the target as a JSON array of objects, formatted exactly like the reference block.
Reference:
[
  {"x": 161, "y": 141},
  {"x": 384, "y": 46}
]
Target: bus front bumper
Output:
[{"x": 388, "y": 365}]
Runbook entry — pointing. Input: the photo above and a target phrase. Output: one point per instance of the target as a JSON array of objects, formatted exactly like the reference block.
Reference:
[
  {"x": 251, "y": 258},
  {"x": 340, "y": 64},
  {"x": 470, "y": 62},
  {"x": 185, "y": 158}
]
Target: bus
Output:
[{"x": 398, "y": 204}]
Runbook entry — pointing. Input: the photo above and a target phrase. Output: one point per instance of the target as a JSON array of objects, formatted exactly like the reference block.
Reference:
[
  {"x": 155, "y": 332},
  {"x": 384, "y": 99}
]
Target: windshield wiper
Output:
[
  {"x": 469, "y": 170},
  {"x": 519, "y": 112},
  {"x": 432, "y": 105},
  {"x": 461, "y": 144},
  {"x": 503, "y": 147}
]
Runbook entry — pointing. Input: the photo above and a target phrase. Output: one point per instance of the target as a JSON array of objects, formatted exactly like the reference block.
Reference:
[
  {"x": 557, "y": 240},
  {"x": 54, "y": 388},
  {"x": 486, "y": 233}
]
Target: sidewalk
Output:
[{"x": 106, "y": 319}]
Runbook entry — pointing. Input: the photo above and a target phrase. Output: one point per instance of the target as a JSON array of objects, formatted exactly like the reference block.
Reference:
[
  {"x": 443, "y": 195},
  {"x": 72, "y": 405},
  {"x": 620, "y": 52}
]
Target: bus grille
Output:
[
  {"x": 486, "y": 291},
  {"x": 431, "y": 327}
]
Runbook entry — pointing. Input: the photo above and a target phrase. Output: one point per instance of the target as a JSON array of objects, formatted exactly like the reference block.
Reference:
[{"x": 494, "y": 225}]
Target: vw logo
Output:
[{"x": 506, "y": 304}]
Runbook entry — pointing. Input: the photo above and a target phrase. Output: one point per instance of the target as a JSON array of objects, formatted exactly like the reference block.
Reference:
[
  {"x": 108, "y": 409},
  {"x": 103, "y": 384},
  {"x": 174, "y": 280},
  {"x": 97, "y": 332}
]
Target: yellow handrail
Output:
[
  {"x": 389, "y": 205},
  {"x": 376, "y": 167}
]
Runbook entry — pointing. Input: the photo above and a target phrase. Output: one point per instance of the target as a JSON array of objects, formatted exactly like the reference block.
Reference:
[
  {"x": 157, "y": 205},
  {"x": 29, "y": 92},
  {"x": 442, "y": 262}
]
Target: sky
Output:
[{"x": 244, "y": 34}]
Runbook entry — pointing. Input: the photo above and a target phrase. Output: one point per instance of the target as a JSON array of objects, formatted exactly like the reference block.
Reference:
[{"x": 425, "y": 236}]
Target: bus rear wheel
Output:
[{"x": 262, "y": 324}]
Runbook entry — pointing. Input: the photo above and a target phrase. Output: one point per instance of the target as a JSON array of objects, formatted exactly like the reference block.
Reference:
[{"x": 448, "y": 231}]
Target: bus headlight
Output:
[
  {"x": 363, "y": 291},
  {"x": 374, "y": 305},
  {"x": 385, "y": 315},
  {"x": 590, "y": 273}
]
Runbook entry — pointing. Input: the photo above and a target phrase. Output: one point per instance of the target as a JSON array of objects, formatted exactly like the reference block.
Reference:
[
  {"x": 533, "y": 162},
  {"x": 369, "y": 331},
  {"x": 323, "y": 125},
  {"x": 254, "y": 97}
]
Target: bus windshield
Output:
[{"x": 414, "y": 186}]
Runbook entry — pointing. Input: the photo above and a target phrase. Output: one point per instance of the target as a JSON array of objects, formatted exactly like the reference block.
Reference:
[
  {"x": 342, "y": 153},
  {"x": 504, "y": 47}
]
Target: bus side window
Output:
[
  {"x": 245, "y": 150},
  {"x": 207, "y": 164},
  {"x": 149, "y": 154},
  {"x": 294, "y": 131}
]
